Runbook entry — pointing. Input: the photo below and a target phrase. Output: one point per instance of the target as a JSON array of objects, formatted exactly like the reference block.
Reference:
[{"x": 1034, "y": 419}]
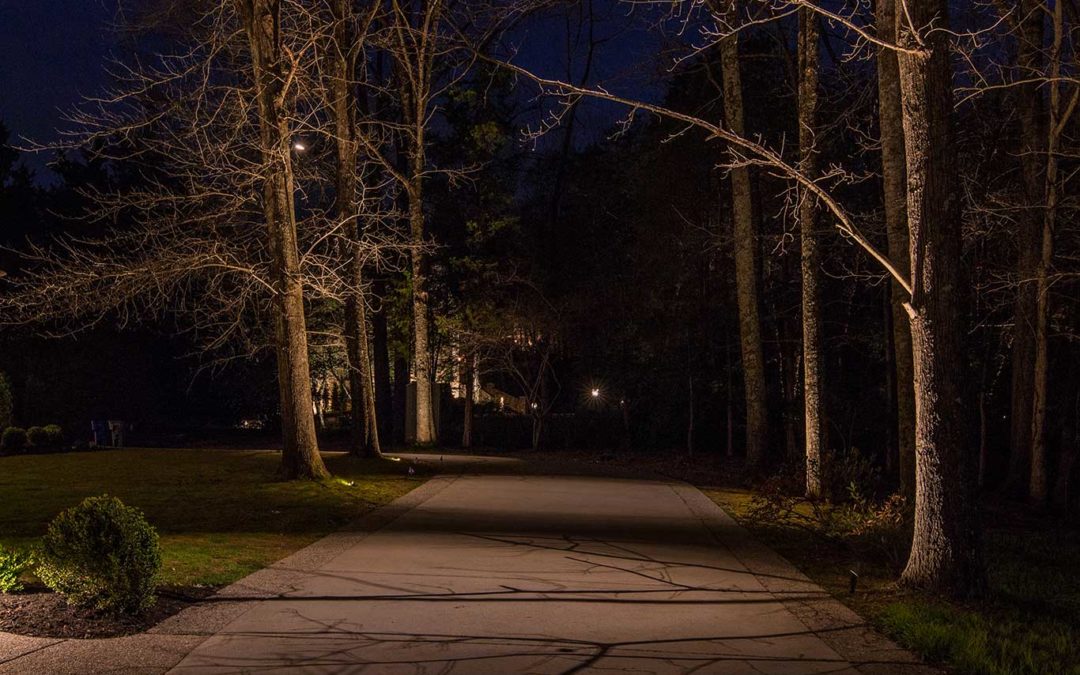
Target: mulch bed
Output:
[{"x": 38, "y": 612}]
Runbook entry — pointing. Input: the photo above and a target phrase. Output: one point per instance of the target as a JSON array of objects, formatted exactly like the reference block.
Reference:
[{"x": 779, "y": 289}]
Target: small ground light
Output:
[{"x": 595, "y": 393}]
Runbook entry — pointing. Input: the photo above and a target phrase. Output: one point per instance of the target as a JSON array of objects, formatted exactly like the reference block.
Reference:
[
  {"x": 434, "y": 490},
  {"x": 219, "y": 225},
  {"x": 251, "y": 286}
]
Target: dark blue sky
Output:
[{"x": 54, "y": 52}]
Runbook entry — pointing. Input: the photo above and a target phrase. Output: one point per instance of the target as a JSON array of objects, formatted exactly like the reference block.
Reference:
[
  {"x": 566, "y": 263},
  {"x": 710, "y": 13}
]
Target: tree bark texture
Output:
[
  {"x": 271, "y": 74},
  {"x": 401, "y": 397},
  {"x": 945, "y": 554},
  {"x": 813, "y": 372},
  {"x": 364, "y": 438},
  {"x": 467, "y": 375},
  {"x": 380, "y": 342},
  {"x": 894, "y": 179},
  {"x": 746, "y": 266},
  {"x": 425, "y": 420}
]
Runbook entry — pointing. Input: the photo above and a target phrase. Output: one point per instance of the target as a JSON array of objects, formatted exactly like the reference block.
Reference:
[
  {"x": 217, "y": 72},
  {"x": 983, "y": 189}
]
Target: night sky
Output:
[{"x": 54, "y": 52}]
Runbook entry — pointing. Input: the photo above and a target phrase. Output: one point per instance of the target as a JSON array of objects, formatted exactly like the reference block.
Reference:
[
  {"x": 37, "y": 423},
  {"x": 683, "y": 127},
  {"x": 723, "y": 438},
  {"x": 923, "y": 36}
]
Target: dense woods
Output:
[{"x": 816, "y": 237}]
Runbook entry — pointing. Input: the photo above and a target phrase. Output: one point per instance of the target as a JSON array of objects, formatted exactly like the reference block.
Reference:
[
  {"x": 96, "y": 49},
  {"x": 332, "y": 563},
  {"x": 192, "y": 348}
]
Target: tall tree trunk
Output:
[
  {"x": 813, "y": 373},
  {"x": 1038, "y": 484},
  {"x": 945, "y": 553},
  {"x": 467, "y": 374},
  {"x": 890, "y": 449},
  {"x": 380, "y": 343},
  {"x": 690, "y": 415},
  {"x": 364, "y": 437},
  {"x": 414, "y": 36},
  {"x": 425, "y": 421},
  {"x": 1031, "y": 113},
  {"x": 401, "y": 397},
  {"x": 729, "y": 405},
  {"x": 894, "y": 181},
  {"x": 746, "y": 266},
  {"x": 300, "y": 455}
]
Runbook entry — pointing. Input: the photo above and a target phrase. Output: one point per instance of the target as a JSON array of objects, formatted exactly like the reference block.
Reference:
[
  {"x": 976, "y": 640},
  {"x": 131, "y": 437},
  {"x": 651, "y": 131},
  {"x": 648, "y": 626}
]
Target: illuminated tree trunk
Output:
[
  {"x": 414, "y": 34},
  {"x": 813, "y": 374},
  {"x": 271, "y": 74},
  {"x": 364, "y": 440},
  {"x": 945, "y": 553},
  {"x": 425, "y": 422},
  {"x": 365, "y": 435},
  {"x": 380, "y": 343},
  {"x": 895, "y": 201},
  {"x": 1032, "y": 146},
  {"x": 467, "y": 374},
  {"x": 746, "y": 271}
]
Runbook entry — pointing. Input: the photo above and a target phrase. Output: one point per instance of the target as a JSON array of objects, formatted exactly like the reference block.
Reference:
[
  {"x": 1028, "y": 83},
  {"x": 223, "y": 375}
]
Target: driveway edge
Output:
[
  {"x": 166, "y": 644},
  {"x": 831, "y": 620}
]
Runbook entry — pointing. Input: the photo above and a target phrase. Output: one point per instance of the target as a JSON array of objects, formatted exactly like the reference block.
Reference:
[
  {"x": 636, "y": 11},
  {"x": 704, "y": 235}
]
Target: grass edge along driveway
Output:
[{"x": 221, "y": 514}]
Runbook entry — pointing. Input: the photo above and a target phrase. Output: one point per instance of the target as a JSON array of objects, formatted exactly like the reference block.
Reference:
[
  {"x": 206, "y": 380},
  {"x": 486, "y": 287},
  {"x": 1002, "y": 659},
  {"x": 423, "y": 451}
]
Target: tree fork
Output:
[
  {"x": 945, "y": 554},
  {"x": 272, "y": 75}
]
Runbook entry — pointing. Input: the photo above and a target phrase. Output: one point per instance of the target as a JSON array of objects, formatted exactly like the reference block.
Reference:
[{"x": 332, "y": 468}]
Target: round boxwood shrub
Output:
[
  {"x": 55, "y": 435},
  {"x": 102, "y": 554},
  {"x": 37, "y": 437},
  {"x": 13, "y": 440}
]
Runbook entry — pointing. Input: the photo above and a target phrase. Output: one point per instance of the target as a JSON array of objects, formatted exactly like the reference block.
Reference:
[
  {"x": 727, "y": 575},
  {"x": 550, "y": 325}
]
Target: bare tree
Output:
[
  {"x": 746, "y": 265},
  {"x": 1030, "y": 34},
  {"x": 894, "y": 184},
  {"x": 414, "y": 42},
  {"x": 347, "y": 36},
  {"x": 1060, "y": 114},
  {"x": 946, "y": 550},
  {"x": 273, "y": 72},
  {"x": 210, "y": 230},
  {"x": 813, "y": 372}
]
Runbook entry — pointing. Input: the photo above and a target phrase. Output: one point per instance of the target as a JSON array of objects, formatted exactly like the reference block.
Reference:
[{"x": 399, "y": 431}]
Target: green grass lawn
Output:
[
  {"x": 221, "y": 514},
  {"x": 1030, "y": 623}
]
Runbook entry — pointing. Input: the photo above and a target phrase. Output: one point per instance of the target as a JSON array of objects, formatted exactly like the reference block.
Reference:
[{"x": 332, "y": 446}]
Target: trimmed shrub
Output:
[
  {"x": 13, "y": 440},
  {"x": 102, "y": 554},
  {"x": 55, "y": 435},
  {"x": 13, "y": 562},
  {"x": 37, "y": 437}
]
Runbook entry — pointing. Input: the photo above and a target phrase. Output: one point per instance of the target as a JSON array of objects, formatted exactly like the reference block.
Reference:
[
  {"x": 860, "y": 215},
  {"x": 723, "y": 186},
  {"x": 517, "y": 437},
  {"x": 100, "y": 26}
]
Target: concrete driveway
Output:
[{"x": 542, "y": 574}]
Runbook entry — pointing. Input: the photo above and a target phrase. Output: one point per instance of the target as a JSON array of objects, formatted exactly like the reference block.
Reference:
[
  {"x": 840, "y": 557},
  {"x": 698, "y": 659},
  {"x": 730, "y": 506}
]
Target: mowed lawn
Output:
[{"x": 221, "y": 514}]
